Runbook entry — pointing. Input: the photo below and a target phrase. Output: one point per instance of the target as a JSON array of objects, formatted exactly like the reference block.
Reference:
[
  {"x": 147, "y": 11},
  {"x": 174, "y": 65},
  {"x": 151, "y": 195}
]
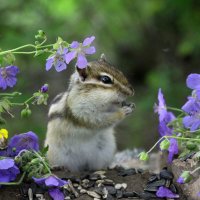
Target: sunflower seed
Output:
[{"x": 93, "y": 194}]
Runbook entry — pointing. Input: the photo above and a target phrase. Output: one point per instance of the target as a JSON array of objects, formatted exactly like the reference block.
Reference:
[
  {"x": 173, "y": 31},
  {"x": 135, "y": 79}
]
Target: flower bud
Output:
[
  {"x": 44, "y": 88},
  {"x": 144, "y": 156},
  {"x": 25, "y": 113},
  {"x": 164, "y": 145},
  {"x": 185, "y": 177}
]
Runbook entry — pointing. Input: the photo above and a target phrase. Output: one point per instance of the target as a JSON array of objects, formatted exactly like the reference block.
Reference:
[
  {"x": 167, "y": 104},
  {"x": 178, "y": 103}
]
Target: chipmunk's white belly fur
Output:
[{"x": 79, "y": 149}]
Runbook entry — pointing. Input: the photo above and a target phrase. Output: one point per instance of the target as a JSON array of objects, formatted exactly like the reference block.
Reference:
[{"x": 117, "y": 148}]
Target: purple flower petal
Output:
[
  {"x": 89, "y": 50},
  {"x": 74, "y": 45},
  {"x": 81, "y": 61},
  {"x": 50, "y": 181},
  {"x": 70, "y": 56},
  {"x": 60, "y": 66},
  {"x": 165, "y": 192},
  {"x": 8, "y": 76},
  {"x": 28, "y": 141},
  {"x": 6, "y": 163},
  {"x": 192, "y": 105},
  {"x": 192, "y": 122},
  {"x": 8, "y": 170},
  {"x": 173, "y": 149},
  {"x": 198, "y": 94},
  {"x": 11, "y": 81},
  {"x": 49, "y": 63},
  {"x": 193, "y": 81},
  {"x": 56, "y": 194},
  {"x": 161, "y": 107},
  {"x": 87, "y": 41},
  {"x": 44, "y": 88},
  {"x": 164, "y": 129},
  {"x": 12, "y": 70},
  {"x": 180, "y": 180},
  {"x": 198, "y": 194},
  {"x": 3, "y": 84}
]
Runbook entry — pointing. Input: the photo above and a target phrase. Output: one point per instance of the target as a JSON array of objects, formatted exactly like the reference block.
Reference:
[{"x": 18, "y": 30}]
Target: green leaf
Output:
[
  {"x": 4, "y": 105},
  {"x": 44, "y": 151}
]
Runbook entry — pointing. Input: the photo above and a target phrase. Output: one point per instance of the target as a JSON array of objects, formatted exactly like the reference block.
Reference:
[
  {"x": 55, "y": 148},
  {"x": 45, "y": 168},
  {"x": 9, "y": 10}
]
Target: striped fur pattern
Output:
[{"x": 80, "y": 130}]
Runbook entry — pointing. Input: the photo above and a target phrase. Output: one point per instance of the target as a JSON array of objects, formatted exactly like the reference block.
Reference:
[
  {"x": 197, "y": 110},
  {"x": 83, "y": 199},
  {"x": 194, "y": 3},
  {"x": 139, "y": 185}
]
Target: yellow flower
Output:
[{"x": 3, "y": 133}]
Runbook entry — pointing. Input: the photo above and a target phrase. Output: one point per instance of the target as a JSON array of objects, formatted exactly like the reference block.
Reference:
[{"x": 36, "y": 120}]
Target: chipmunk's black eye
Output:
[{"x": 106, "y": 79}]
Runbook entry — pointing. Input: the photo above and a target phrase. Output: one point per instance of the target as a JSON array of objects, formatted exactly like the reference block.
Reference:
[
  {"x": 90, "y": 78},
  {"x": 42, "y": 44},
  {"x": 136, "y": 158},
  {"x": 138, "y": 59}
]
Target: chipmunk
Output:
[{"x": 80, "y": 131}]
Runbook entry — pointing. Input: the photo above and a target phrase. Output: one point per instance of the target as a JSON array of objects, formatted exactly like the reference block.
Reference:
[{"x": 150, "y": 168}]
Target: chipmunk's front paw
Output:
[{"x": 128, "y": 108}]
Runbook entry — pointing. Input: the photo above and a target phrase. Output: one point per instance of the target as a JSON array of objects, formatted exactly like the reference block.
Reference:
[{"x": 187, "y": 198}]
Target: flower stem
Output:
[
  {"x": 175, "y": 109},
  {"x": 24, "y": 103},
  {"x": 171, "y": 136},
  {"x": 183, "y": 138},
  {"x": 15, "y": 183},
  {"x": 18, "y": 48},
  {"x": 192, "y": 172},
  {"x": 155, "y": 144},
  {"x": 44, "y": 163}
]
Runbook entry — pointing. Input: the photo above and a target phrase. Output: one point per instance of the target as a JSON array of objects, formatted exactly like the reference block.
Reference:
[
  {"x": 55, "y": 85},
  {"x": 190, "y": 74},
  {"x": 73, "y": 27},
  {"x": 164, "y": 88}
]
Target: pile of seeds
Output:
[
  {"x": 98, "y": 186},
  {"x": 164, "y": 178}
]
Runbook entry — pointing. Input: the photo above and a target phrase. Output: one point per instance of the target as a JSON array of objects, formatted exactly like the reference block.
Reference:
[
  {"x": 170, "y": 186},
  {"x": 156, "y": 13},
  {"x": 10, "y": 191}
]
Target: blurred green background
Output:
[{"x": 155, "y": 43}]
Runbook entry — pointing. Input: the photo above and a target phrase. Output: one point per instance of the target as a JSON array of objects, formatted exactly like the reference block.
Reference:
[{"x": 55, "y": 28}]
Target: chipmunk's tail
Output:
[{"x": 129, "y": 159}]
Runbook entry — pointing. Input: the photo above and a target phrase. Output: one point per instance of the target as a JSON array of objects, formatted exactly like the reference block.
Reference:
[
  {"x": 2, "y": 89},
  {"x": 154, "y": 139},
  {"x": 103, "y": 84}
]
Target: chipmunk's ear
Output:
[
  {"x": 102, "y": 58},
  {"x": 82, "y": 73}
]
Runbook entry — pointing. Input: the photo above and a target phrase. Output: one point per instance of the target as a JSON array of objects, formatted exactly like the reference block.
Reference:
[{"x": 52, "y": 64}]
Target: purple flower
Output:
[
  {"x": 50, "y": 181},
  {"x": 28, "y": 141},
  {"x": 192, "y": 105},
  {"x": 161, "y": 109},
  {"x": 8, "y": 170},
  {"x": 198, "y": 194},
  {"x": 173, "y": 149},
  {"x": 193, "y": 81},
  {"x": 80, "y": 50},
  {"x": 57, "y": 60},
  {"x": 44, "y": 88},
  {"x": 164, "y": 129},
  {"x": 180, "y": 180},
  {"x": 56, "y": 194},
  {"x": 53, "y": 182},
  {"x": 8, "y": 76},
  {"x": 192, "y": 121},
  {"x": 165, "y": 192}
]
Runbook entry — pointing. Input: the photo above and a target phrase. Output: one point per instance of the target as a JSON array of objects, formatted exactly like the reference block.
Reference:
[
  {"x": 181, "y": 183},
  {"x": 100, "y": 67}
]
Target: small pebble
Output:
[
  {"x": 127, "y": 172},
  {"x": 129, "y": 194},
  {"x": 119, "y": 194},
  {"x": 111, "y": 190}
]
